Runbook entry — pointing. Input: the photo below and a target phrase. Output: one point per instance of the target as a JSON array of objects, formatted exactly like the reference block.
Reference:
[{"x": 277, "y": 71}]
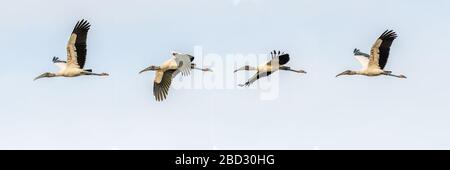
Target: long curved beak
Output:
[
  {"x": 340, "y": 74},
  {"x": 302, "y": 71},
  {"x": 40, "y": 76},
  {"x": 146, "y": 69}
]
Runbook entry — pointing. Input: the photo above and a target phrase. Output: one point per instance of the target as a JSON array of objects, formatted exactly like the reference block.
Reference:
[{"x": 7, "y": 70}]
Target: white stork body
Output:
[
  {"x": 70, "y": 72},
  {"x": 268, "y": 68},
  {"x": 179, "y": 63},
  {"x": 76, "y": 55},
  {"x": 276, "y": 63},
  {"x": 373, "y": 64},
  {"x": 168, "y": 65}
]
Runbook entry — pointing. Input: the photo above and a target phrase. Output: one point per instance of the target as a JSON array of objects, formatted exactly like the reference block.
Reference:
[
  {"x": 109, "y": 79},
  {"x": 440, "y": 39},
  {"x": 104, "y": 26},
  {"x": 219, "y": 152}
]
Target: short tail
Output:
[{"x": 88, "y": 70}]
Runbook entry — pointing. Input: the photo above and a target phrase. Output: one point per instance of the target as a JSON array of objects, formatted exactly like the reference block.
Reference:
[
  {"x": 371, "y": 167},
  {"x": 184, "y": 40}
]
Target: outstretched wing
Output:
[
  {"x": 76, "y": 47},
  {"x": 278, "y": 58},
  {"x": 380, "y": 49},
  {"x": 363, "y": 58},
  {"x": 184, "y": 64},
  {"x": 161, "y": 84}
]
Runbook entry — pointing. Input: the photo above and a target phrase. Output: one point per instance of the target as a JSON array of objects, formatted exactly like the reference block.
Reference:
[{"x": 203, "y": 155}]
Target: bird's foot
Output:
[{"x": 301, "y": 71}]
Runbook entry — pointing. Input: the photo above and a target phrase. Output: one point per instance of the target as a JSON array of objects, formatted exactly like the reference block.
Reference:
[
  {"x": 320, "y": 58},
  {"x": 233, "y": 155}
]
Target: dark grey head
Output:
[{"x": 45, "y": 75}]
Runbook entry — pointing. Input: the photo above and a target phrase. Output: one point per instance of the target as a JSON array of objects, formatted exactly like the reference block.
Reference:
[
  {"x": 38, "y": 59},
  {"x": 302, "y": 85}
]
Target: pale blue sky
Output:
[{"x": 315, "y": 111}]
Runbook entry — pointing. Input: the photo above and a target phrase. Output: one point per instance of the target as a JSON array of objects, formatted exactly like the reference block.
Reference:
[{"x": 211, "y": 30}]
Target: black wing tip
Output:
[
  {"x": 159, "y": 95},
  {"x": 82, "y": 25},
  {"x": 276, "y": 53},
  {"x": 161, "y": 90},
  {"x": 283, "y": 57},
  {"x": 356, "y": 51},
  {"x": 57, "y": 60},
  {"x": 389, "y": 34}
]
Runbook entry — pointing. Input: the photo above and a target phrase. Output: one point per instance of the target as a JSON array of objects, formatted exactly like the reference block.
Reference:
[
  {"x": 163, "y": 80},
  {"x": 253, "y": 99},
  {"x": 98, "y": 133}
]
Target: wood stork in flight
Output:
[
  {"x": 76, "y": 55},
  {"x": 179, "y": 63},
  {"x": 373, "y": 64},
  {"x": 276, "y": 63}
]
